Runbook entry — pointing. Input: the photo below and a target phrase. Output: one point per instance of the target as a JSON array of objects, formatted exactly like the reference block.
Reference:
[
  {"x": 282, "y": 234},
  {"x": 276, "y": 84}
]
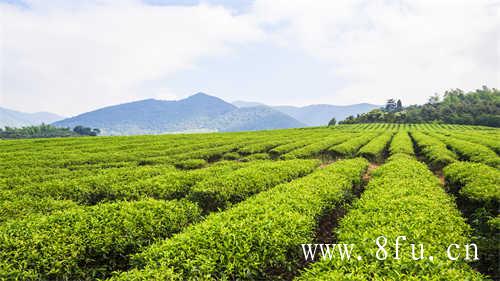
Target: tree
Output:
[
  {"x": 40, "y": 131},
  {"x": 86, "y": 131},
  {"x": 390, "y": 105},
  {"x": 479, "y": 107},
  {"x": 434, "y": 99},
  {"x": 332, "y": 122},
  {"x": 399, "y": 105}
]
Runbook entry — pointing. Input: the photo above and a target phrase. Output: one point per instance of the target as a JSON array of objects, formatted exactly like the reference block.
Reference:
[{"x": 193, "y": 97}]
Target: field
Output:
[{"x": 238, "y": 206}]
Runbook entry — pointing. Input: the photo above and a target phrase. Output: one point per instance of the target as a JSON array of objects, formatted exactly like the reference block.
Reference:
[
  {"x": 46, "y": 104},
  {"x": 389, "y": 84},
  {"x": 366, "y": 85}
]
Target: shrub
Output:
[
  {"x": 434, "y": 150},
  {"x": 472, "y": 151},
  {"x": 403, "y": 198},
  {"x": 257, "y": 239},
  {"x": 374, "y": 150},
  {"x": 87, "y": 243},
  {"x": 401, "y": 143},
  {"x": 351, "y": 146},
  {"x": 191, "y": 164},
  {"x": 316, "y": 148},
  {"x": 218, "y": 192}
]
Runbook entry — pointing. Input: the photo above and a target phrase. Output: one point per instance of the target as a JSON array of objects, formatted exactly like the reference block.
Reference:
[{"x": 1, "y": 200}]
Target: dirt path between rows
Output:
[{"x": 367, "y": 175}]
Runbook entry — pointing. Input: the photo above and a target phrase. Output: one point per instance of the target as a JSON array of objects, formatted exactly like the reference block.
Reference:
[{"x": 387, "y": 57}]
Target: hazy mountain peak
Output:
[
  {"x": 199, "y": 112},
  {"x": 13, "y": 118},
  {"x": 243, "y": 104}
]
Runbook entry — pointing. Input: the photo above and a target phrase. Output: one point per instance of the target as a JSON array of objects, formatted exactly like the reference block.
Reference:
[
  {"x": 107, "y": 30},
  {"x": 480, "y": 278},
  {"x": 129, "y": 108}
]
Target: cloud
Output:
[
  {"x": 382, "y": 49},
  {"x": 71, "y": 56}
]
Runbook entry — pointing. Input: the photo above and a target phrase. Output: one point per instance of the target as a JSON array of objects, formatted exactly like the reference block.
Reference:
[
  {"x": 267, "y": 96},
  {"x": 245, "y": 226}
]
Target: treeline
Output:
[
  {"x": 480, "y": 107},
  {"x": 46, "y": 131}
]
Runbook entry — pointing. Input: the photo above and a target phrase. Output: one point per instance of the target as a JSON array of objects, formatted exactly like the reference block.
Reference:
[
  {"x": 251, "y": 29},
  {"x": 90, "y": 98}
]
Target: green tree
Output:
[
  {"x": 480, "y": 107},
  {"x": 390, "y": 105},
  {"x": 399, "y": 105}
]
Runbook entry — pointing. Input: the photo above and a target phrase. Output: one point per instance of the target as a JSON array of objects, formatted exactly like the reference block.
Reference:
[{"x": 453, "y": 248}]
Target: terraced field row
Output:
[{"x": 240, "y": 206}]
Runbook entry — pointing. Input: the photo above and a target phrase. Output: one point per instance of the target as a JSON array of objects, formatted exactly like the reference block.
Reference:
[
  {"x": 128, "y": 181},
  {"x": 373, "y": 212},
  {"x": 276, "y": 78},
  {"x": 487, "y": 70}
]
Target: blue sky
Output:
[{"x": 69, "y": 57}]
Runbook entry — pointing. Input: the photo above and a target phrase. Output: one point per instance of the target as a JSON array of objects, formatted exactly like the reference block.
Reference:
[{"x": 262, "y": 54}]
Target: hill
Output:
[
  {"x": 243, "y": 104},
  {"x": 256, "y": 118},
  {"x": 316, "y": 114},
  {"x": 200, "y": 112},
  {"x": 479, "y": 107},
  {"x": 13, "y": 118},
  {"x": 321, "y": 114}
]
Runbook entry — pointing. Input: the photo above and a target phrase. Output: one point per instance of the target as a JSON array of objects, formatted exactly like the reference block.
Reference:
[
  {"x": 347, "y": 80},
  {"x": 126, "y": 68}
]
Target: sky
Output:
[{"x": 69, "y": 57}]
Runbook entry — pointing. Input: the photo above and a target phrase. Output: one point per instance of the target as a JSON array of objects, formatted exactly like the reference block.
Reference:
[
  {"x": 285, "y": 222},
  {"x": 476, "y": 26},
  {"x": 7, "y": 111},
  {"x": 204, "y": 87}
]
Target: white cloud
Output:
[
  {"x": 379, "y": 49},
  {"x": 71, "y": 56}
]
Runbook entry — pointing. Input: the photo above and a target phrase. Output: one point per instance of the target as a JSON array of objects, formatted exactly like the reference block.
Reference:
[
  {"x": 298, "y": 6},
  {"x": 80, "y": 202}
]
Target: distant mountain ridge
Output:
[
  {"x": 321, "y": 114},
  {"x": 197, "y": 113},
  {"x": 316, "y": 114},
  {"x": 14, "y": 118}
]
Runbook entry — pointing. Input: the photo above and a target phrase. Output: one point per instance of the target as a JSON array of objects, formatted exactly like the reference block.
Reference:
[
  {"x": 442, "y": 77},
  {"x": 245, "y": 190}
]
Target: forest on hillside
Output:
[
  {"x": 479, "y": 107},
  {"x": 46, "y": 131}
]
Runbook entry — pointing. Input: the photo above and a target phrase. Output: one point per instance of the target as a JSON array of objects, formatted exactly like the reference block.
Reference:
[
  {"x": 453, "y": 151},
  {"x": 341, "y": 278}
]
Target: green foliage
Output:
[
  {"x": 52, "y": 229},
  {"x": 231, "y": 156},
  {"x": 41, "y": 131},
  {"x": 45, "y": 131},
  {"x": 351, "y": 146},
  {"x": 15, "y": 206},
  {"x": 491, "y": 142},
  {"x": 403, "y": 198},
  {"x": 316, "y": 148},
  {"x": 86, "y": 131},
  {"x": 332, "y": 122},
  {"x": 434, "y": 150},
  {"x": 478, "y": 181},
  {"x": 401, "y": 143},
  {"x": 471, "y": 151},
  {"x": 481, "y": 107},
  {"x": 256, "y": 156},
  {"x": 478, "y": 187},
  {"x": 281, "y": 149},
  {"x": 374, "y": 150},
  {"x": 256, "y": 239},
  {"x": 261, "y": 146},
  {"x": 219, "y": 192},
  {"x": 189, "y": 164},
  {"x": 87, "y": 243}
]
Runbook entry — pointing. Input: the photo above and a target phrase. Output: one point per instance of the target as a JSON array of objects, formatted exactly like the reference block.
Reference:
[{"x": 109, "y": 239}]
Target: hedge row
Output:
[
  {"x": 60, "y": 195},
  {"x": 16, "y": 206},
  {"x": 434, "y": 150},
  {"x": 256, "y": 156},
  {"x": 290, "y": 146},
  {"x": 87, "y": 243},
  {"x": 263, "y": 146},
  {"x": 401, "y": 143},
  {"x": 488, "y": 141},
  {"x": 476, "y": 181},
  {"x": 316, "y": 148},
  {"x": 130, "y": 184},
  {"x": 403, "y": 198},
  {"x": 258, "y": 239},
  {"x": 478, "y": 187},
  {"x": 472, "y": 151},
  {"x": 374, "y": 150},
  {"x": 219, "y": 192},
  {"x": 350, "y": 147}
]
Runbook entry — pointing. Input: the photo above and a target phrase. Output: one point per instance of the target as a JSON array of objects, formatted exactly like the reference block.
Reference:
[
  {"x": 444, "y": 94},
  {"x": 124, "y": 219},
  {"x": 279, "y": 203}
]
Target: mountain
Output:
[
  {"x": 321, "y": 114},
  {"x": 243, "y": 104},
  {"x": 13, "y": 118},
  {"x": 197, "y": 113},
  {"x": 255, "y": 118}
]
